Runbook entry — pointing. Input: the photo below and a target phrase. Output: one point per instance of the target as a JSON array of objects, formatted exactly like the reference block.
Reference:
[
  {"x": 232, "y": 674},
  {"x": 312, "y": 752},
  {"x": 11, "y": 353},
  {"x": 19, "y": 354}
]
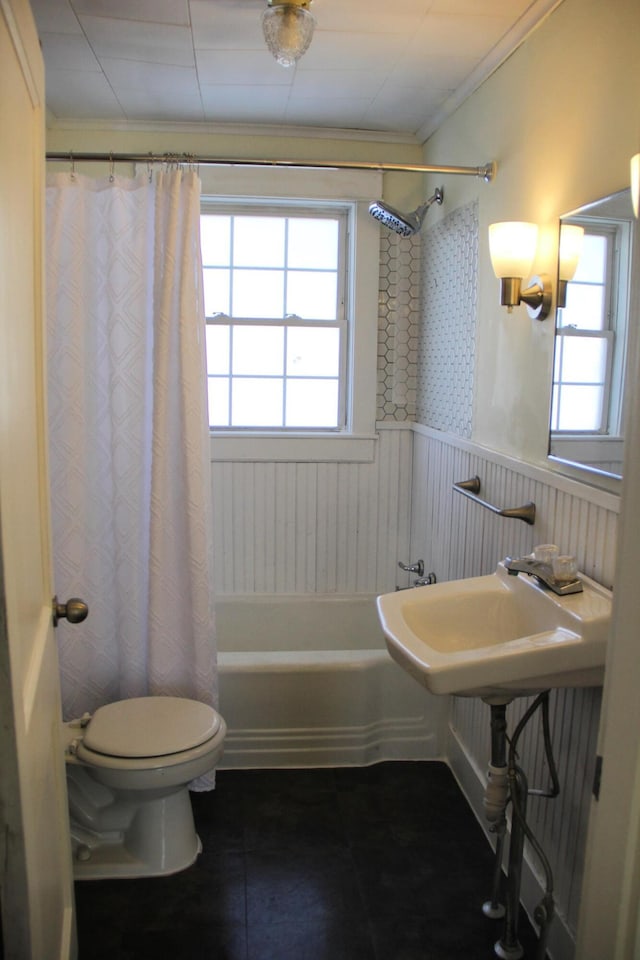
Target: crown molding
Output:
[{"x": 231, "y": 129}]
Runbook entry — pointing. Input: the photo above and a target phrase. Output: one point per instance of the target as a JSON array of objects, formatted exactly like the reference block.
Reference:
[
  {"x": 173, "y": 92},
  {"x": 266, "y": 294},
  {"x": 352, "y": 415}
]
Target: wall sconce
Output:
[
  {"x": 512, "y": 246},
  {"x": 287, "y": 26},
  {"x": 635, "y": 184},
  {"x": 571, "y": 242}
]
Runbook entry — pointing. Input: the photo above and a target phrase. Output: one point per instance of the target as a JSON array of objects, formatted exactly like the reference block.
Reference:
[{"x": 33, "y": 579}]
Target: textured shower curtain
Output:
[{"x": 129, "y": 464}]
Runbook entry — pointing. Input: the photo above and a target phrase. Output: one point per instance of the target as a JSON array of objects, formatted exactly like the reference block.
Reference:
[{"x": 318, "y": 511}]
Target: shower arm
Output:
[
  {"x": 421, "y": 211},
  {"x": 486, "y": 172}
]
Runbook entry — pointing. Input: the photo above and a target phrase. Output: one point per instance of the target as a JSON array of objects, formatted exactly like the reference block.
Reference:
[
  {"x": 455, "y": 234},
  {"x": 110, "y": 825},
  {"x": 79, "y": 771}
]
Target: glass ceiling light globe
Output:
[{"x": 288, "y": 29}]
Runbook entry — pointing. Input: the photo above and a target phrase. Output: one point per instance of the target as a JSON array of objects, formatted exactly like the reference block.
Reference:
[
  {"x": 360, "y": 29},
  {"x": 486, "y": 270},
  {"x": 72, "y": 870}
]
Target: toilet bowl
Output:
[{"x": 128, "y": 770}]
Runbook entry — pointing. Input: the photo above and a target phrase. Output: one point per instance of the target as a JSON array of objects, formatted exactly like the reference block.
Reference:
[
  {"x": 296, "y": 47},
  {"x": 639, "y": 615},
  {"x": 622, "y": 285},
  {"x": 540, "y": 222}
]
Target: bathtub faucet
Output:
[
  {"x": 420, "y": 582},
  {"x": 417, "y": 567}
]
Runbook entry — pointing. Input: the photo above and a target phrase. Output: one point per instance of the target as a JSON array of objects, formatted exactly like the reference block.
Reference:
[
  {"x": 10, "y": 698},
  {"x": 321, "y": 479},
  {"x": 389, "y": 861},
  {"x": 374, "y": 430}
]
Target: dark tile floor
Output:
[{"x": 375, "y": 863}]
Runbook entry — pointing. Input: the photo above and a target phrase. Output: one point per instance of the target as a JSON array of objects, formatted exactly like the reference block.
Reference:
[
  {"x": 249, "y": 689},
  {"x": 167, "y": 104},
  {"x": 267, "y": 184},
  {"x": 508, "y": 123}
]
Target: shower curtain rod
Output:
[{"x": 486, "y": 172}]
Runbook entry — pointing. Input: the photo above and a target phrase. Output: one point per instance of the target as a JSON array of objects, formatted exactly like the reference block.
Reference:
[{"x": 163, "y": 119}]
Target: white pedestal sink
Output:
[{"x": 498, "y": 636}]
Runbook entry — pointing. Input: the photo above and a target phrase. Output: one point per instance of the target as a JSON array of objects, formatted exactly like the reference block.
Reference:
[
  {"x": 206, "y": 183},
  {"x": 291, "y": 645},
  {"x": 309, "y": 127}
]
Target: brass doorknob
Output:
[{"x": 74, "y": 610}]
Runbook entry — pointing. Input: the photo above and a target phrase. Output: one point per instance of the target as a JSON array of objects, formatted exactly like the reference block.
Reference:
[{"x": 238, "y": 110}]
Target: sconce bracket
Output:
[{"x": 537, "y": 297}]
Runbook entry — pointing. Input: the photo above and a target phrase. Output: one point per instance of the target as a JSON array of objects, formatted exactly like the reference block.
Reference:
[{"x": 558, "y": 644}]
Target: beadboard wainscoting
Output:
[
  {"x": 458, "y": 538},
  {"x": 300, "y": 527}
]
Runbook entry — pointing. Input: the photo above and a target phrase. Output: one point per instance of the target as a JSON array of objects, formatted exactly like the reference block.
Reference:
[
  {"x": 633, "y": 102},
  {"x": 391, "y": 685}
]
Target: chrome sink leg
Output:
[
  {"x": 493, "y": 908},
  {"x": 495, "y": 800},
  {"x": 509, "y": 947}
]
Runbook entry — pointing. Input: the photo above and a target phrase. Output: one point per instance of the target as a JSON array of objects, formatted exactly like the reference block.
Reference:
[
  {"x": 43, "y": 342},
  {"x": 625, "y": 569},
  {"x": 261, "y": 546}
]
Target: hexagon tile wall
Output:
[
  {"x": 446, "y": 342},
  {"x": 427, "y": 324},
  {"x": 399, "y": 310}
]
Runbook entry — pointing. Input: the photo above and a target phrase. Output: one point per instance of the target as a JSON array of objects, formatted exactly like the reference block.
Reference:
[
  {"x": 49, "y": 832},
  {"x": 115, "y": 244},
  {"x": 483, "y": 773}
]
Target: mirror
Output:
[{"x": 598, "y": 264}]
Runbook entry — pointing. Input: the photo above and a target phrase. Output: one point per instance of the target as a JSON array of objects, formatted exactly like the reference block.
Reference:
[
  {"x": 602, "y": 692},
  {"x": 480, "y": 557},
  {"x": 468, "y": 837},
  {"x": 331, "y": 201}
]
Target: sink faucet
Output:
[{"x": 543, "y": 572}]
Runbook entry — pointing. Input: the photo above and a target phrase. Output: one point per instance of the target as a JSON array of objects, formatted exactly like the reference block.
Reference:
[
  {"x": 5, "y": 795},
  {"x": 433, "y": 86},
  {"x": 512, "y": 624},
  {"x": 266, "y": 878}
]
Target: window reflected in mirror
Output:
[{"x": 592, "y": 320}]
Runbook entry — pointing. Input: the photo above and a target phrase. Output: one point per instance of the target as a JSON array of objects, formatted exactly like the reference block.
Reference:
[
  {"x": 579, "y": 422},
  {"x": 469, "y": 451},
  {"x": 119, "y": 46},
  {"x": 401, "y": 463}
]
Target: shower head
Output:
[{"x": 406, "y": 224}]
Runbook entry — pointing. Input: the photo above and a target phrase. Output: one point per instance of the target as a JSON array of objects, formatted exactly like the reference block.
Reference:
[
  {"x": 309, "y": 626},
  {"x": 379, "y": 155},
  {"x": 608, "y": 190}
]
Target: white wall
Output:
[{"x": 561, "y": 119}]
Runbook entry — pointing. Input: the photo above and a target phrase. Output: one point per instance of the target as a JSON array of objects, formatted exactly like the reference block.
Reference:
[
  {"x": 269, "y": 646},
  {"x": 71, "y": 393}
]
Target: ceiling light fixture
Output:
[{"x": 288, "y": 28}]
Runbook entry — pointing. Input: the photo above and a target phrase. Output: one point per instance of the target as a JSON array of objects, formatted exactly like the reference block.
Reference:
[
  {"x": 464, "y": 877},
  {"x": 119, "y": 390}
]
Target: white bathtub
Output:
[{"x": 306, "y": 680}]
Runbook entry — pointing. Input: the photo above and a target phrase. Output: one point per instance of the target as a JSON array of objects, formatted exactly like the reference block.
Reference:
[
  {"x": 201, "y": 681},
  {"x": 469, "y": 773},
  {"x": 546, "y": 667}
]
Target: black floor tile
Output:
[
  {"x": 311, "y": 940},
  {"x": 377, "y": 863}
]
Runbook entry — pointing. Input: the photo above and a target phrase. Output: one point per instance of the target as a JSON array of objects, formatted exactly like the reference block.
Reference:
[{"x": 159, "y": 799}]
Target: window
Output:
[
  {"x": 288, "y": 203},
  {"x": 275, "y": 286},
  {"x": 589, "y": 354}
]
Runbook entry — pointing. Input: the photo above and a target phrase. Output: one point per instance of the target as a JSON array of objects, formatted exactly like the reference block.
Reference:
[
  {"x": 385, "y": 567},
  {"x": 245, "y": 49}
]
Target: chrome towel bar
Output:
[{"x": 471, "y": 488}]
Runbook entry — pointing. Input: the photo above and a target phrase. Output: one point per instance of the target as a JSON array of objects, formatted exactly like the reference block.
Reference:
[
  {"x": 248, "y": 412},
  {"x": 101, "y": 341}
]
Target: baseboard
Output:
[
  {"x": 561, "y": 944},
  {"x": 329, "y": 746}
]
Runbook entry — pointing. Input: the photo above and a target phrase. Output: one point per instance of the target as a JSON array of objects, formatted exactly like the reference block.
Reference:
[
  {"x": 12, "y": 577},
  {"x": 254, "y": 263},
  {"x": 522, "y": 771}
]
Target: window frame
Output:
[
  {"x": 613, "y": 332},
  {"x": 353, "y": 188},
  {"x": 334, "y": 210}
]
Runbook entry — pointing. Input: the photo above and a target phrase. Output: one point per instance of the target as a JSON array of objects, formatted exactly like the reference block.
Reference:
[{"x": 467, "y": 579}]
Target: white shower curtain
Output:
[{"x": 131, "y": 513}]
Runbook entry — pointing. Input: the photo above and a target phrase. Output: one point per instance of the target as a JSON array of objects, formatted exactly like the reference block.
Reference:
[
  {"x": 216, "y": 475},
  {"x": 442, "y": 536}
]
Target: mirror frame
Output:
[{"x": 583, "y": 472}]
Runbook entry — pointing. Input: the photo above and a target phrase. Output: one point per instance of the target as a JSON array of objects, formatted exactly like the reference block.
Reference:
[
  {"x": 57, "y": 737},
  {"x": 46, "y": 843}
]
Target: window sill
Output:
[{"x": 300, "y": 448}]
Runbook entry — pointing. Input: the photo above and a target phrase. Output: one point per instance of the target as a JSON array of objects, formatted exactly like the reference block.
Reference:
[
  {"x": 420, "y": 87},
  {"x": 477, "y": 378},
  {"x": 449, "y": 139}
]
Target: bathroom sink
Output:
[{"x": 498, "y": 636}]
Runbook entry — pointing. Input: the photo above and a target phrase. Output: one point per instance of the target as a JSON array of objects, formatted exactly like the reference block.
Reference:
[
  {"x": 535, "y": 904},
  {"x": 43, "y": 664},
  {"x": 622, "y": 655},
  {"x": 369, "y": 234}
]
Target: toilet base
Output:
[
  {"x": 129, "y": 833},
  {"x": 112, "y": 861}
]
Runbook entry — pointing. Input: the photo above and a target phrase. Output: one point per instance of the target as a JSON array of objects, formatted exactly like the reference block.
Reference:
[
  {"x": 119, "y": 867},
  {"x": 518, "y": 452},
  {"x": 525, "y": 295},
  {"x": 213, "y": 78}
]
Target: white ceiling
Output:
[{"x": 393, "y": 66}]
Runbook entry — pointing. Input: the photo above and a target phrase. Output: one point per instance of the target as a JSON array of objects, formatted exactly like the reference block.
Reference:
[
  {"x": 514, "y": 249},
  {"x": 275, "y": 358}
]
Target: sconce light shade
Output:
[
  {"x": 512, "y": 246},
  {"x": 571, "y": 242},
  {"x": 288, "y": 26},
  {"x": 635, "y": 183}
]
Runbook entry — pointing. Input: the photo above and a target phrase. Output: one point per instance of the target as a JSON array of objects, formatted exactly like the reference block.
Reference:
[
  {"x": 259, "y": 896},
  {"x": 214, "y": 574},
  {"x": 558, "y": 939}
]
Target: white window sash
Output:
[{"x": 356, "y": 442}]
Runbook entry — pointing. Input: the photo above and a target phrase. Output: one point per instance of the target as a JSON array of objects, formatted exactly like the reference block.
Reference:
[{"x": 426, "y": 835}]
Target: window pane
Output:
[
  {"x": 216, "y": 292},
  {"x": 580, "y": 408},
  {"x": 312, "y": 403},
  {"x": 258, "y": 242},
  {"x": 218, "y": 402},
  {"x": 584, "y": 360},
  {"x": 593, "y": 260},
  {"x": 258, "y": 293},
  {"x": 215, "y": 240},
  {"x": 313, "y": 352},
  {"x": 313, "y": 243},
  {"x": 258, "y": 351},
  {"x": 217, "y": 349},
  {"x": 257, "y": 403},
  {"x": 585, "y": 307},
  {"x": 312, "y": 295}
]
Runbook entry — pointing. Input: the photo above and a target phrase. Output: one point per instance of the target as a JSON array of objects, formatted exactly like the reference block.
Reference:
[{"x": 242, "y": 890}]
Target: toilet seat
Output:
[{"x": 150, "y": 727}]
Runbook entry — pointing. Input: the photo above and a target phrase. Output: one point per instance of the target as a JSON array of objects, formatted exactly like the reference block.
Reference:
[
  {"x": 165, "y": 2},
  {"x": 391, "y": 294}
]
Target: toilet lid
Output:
[{"x": 150, "y": 727}]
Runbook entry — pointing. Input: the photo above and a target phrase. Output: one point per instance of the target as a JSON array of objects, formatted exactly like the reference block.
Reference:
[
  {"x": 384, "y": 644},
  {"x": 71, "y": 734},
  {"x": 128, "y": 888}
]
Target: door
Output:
[{"x": 35, "y": 861}]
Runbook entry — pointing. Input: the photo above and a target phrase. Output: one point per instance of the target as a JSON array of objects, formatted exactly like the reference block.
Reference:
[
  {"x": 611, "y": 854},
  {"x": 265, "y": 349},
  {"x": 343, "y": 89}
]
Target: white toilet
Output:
[{"x": 128, "y": 769}]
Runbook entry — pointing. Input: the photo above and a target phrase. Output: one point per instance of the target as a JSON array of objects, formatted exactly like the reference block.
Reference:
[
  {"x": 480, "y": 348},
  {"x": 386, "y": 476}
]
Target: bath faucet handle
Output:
[
  {"x": 427, "y": 581},
  {"x": 417, "y": 567}
]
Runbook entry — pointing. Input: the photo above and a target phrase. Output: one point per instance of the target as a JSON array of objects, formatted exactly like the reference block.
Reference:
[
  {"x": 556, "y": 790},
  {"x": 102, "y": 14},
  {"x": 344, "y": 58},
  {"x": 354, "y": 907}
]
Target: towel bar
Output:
[{"x": 471, "y": 488}]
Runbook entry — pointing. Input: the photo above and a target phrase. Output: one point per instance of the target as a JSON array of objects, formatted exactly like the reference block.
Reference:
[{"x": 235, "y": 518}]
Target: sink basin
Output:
[{"x": 498, "y": 636}]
